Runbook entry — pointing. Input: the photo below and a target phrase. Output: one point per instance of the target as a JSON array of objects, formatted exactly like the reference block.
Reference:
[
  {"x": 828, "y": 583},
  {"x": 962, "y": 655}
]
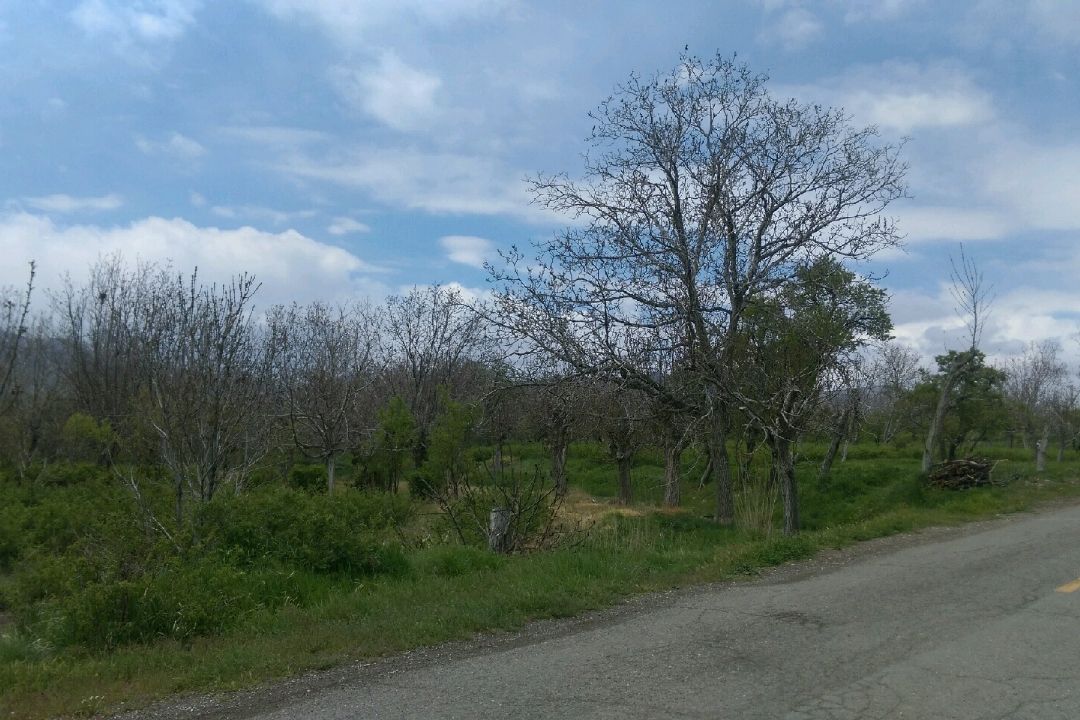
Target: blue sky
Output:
[{"x": 356, "y": 147}]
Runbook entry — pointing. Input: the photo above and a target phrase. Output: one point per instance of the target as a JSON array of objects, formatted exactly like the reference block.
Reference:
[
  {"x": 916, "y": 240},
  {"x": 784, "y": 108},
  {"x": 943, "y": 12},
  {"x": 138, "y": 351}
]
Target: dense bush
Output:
[
  {"x": 88, "y": 567},
  {"x": 180, "y": 602},
  {"x": 309, "y": 478},
  {"x": 343, "y": 533}
]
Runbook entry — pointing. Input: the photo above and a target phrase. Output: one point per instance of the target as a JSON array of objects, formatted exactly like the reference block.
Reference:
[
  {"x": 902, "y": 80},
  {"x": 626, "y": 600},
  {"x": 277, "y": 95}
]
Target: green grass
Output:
[{"x": 446, "y": 592}]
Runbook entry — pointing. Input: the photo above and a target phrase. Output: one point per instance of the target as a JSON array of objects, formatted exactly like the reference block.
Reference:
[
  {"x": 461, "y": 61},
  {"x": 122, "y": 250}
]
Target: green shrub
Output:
[
  {"x": 86, "y": 439},
  {"x": 182, "y": 602},
  {"x": 309, "y": 478},
  {"x": 343, "y": 533}
]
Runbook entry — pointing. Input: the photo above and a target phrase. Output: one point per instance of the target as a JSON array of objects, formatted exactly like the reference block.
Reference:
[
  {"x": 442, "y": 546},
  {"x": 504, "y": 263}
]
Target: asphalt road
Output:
[{"x": 980, "y": 622}]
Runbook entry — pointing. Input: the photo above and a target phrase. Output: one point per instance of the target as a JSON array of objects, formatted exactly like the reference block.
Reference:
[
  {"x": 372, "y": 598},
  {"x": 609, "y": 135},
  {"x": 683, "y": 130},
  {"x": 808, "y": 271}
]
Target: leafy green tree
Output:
[
  {"x": 392, "y": 445},
  {"x": 795, "y": 343},
  {"x": 976, "y": 403},
  {"x": 448, "y": 462}
]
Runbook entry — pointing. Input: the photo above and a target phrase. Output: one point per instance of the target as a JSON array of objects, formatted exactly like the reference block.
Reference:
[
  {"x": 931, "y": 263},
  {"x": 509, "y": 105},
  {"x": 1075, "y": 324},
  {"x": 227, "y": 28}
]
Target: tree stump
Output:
[{"x": 499, "y": 530}]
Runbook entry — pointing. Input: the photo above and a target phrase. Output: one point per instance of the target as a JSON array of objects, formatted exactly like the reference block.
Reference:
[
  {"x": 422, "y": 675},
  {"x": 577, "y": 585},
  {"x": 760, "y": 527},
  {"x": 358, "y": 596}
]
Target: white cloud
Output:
[
  {"x": 920, "y": 224},
  {"x": 275, "y": 136},
  {"x": 436, "y": 182},
  {"x": 467, "y": 249},
  {"x": 289, "y": 265},
  {"x": 796, "y": 28},
  {"x": 789, "y": 23},
  {"x": 391, "y": 91},
  {"x": 260, "y": 213},
  {"x": 61, "y": 203},
  {"x": 350, "y": 21},
  {"x": 876, "y": 10},
  {"x": 929, "y": 323},
  {"x": 904, "y": 97},
  {"x": 1038, "y": 183},
  {"x": 175, "y": 145},
  {"x": 346, "y": 225},
  {"x": 148, "y": 21}
]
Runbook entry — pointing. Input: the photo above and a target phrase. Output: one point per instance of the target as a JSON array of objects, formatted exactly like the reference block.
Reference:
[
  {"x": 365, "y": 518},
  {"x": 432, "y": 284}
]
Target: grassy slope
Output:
[{"x": 451, "y": 593}]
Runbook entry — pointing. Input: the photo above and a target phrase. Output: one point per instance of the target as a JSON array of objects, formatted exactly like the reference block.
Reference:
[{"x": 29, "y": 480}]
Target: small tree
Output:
[
  {"x": 392, "y": 444},
  {"x": 207, "y": 378},
  {"x": 975, "y": 408},
  {"x": 1031, "y": 382},
  {"x": 325, "y": 361},
  {"x": 448, "y": 463},
  {"x": 795, "y": 344},
  {"x": 14, "y": 310},
  {"x": 973, "y": 296}
]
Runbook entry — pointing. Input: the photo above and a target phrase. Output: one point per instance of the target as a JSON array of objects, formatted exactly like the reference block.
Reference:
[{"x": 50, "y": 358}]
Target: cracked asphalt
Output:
[{"x": 950, "y": 624}]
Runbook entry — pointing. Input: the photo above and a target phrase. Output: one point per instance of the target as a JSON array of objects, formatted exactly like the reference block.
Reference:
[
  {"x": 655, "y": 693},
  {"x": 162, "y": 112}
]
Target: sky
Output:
[{"x": 347, "y": 148}]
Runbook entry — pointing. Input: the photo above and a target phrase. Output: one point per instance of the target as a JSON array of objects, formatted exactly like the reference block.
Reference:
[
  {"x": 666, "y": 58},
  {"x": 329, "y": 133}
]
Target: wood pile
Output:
[{"x": 961, "y": 474}]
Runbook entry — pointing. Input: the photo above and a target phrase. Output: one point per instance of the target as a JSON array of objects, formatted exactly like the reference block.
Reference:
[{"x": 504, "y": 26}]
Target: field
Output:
[{"x": 103, "y": 610}]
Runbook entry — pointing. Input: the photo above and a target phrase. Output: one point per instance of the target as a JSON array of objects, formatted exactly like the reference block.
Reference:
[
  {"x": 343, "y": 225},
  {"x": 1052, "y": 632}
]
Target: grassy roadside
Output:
[{"x": 450, "y": 592}]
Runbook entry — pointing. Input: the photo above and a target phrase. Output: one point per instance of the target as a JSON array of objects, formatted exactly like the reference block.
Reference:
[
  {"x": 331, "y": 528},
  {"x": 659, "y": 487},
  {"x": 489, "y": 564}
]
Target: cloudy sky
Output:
[{"x": 345, "y": 147}]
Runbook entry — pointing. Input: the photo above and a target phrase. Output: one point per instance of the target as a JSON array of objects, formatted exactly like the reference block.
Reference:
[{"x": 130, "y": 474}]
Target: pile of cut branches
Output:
[{"x": 961, "y": 474}]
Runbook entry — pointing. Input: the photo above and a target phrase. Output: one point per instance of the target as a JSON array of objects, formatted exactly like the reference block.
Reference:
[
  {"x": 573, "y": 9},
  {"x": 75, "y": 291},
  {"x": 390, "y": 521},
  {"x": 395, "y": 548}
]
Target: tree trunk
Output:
[
  {"x": 706, "y": 476},
  {"x": 558, "y": 467},
  {"x": 672, "y": 471},
  {"x": 938, "y": 419},
  {"x": 784, "y": 465},
  {"x": 721, "y": 467},
  {"x": 1040, "y": 450},
  {"x": 497, "y": 461},
  {"x": 626, "y": 491},
  {"x": 331, "y": 467},
  {"x": 838, "y": 437},
  {"x": 179, "y": 502},
  {"x": 499, "y": 529},
  {"x": 1061, "y": 449}
]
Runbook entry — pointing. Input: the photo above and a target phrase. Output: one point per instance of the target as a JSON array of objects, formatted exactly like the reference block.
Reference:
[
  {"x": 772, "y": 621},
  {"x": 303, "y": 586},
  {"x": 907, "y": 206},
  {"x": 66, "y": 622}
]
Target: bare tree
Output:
[
  {"x": 847, "y": 398},
  {"x": 102, "y": 321},
  {"x": 702, "y": 193},
  {"x": 553, "y": 404},
  {"x": 433, "y": 341},
  {"x": 31, "y": 426},
  {"x": 621, "y": 417},
  {"x": 14, "y": 310},
  {"x": 1063, "y": 405},
  {"x": 325, "y": 359},
  {"x": 893, "y": 374},
  {"x": 973, "y": 296},
  {"x": 1031, "y": 382},
  {"x": 207, "y": 375}
]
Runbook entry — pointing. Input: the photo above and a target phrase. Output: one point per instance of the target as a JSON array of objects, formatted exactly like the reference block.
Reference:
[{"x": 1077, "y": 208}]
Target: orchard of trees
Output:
[
  {"x": 705, "y": 296},
  {"x": 177, "y": 459}
]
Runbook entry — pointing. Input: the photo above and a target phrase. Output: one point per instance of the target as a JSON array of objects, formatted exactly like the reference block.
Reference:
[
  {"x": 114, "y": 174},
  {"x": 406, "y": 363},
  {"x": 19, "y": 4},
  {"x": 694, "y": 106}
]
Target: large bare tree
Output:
[{"x": 701, "y": 193}]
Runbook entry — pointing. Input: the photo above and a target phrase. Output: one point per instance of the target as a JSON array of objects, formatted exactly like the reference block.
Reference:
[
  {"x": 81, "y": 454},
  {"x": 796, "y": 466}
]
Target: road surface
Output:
[{"x": 977, "y": 622}]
